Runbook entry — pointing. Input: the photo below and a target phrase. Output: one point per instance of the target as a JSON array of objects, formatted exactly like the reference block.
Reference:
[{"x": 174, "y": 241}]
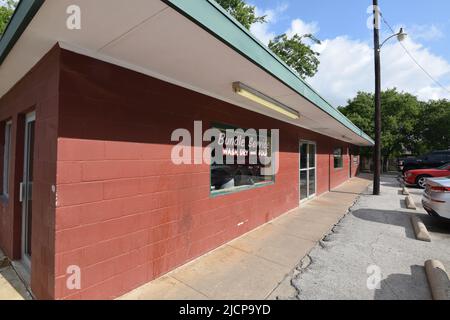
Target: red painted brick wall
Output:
[
  {"x": 125, "y": 214},
  {"x": 38, "y": 91}
]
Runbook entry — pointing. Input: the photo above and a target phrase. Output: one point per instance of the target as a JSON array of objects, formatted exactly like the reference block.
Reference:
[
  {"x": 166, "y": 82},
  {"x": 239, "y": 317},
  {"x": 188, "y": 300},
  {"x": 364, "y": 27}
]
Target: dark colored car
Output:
[
  {"x": 401, "y": 160},
  {"x": 432, "y": 160}
]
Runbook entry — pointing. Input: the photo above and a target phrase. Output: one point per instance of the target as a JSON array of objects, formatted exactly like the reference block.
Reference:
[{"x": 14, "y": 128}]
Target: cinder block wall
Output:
[
  {"x": 38, "y": 91},
  {"x": 125, "y": 214}
]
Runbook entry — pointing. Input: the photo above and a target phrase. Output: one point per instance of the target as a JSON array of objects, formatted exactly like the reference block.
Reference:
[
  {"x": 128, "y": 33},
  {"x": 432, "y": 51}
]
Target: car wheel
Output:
[{"x": 421, "y": 181}]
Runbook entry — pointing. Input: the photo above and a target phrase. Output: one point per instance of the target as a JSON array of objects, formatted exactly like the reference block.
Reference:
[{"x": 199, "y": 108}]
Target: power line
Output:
[{"x": 413, "y": 58}]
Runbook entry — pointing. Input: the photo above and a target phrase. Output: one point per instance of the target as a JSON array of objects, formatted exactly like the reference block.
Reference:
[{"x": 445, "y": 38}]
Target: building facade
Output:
[{"x": 90, "y": 187}]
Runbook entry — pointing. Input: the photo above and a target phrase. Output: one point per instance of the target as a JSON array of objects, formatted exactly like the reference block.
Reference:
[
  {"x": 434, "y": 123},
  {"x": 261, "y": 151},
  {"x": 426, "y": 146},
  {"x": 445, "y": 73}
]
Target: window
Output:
[
  {"x": 6, "y": 158},
  {"x": 338, "y": 158},
  {"x": 243, "y": 160}
]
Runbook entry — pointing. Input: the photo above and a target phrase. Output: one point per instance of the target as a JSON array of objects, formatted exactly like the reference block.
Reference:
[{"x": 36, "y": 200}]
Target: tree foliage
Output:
[
  {"x": 6, "y": 12},
  {"x": 294, "y": 51},
  {"x": 433, "y": 126},
  {"x": 242, "y": 12},
  {"x": 407, "y": 123}
]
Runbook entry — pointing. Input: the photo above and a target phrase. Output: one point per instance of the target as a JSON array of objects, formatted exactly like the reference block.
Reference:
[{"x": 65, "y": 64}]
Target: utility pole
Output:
[{"x": 377, "y": 149}]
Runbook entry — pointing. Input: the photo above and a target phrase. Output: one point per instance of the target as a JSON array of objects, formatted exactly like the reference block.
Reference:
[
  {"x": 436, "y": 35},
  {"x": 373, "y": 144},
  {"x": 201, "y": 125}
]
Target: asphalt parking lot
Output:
[{"x": 373, "y": 254}]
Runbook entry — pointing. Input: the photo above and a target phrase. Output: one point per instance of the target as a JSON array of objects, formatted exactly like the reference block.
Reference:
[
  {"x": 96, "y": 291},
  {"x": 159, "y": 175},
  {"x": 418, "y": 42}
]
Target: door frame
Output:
[
  {"x": 26, "y": 260},
  {"x": 310, "y": 196},
  {"x": 350, "y": 161}
]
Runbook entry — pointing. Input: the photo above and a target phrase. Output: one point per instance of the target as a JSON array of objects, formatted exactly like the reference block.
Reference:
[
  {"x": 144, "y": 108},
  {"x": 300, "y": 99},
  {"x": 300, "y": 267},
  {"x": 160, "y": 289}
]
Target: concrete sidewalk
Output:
[
  {"x": 373, "y": 253},
  {"x": 260, "y": 264},
  {"x": 11, "y": 287}
]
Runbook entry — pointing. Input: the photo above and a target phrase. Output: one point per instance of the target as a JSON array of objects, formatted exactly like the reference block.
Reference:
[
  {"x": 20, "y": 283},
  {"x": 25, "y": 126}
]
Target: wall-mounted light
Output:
[{"x": 261, "y": 99}]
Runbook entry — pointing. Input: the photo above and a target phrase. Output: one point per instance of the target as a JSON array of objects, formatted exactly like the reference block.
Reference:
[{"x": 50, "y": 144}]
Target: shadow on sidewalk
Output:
[
  {"x": 436, "y": 225},
  {"x": 395, "y": 218},
  {"x": 405, "y": 286}
]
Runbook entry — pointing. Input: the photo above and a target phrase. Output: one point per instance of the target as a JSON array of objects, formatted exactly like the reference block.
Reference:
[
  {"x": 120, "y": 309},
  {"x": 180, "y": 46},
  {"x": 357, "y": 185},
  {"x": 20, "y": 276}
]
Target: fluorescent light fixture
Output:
[{"x": 261, "y": 99}]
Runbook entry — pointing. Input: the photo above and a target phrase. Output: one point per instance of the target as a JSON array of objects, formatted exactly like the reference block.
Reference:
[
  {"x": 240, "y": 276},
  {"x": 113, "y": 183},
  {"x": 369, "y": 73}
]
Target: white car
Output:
[{"x": 436, "y": 198}]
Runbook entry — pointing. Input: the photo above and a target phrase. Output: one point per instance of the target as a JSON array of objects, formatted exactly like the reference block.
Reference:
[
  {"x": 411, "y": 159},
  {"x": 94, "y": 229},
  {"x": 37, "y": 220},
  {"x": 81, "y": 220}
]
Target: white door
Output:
[
  {"x": 26, "y": 189},
  {"x": 308, "y": 170}
]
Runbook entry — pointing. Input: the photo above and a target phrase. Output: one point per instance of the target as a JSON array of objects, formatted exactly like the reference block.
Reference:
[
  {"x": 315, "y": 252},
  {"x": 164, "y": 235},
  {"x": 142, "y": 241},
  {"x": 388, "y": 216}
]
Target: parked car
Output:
[
  {"x": 401, "y": 160},
  {"x": 436, "y": 198},
  {"x": 418, "y": 177},
  {"x": 432, "y": 160}
]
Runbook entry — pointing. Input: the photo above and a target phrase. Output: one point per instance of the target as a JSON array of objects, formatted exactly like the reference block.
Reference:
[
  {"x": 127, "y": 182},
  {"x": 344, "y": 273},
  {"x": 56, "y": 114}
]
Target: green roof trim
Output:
[
  {"x": 214, "y": 19},
  {"x": 24, "y": 13}
]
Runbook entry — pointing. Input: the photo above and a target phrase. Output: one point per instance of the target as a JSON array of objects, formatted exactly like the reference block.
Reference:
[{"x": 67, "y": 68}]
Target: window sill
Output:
[{"x": 218, "y": 193}]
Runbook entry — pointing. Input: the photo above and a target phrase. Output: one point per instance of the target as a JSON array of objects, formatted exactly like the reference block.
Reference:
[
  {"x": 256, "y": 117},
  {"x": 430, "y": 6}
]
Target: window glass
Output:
[
  {"x": 312, "y": 182},
  {"x": 244, "y": 160},
  {"x": 338, "y": 158},
  {"x": 304, "y": 156},
  {"x": 303, "y": 184},
  {"x": 312, "y": 153},
  {"x": 6, "y": 158}
]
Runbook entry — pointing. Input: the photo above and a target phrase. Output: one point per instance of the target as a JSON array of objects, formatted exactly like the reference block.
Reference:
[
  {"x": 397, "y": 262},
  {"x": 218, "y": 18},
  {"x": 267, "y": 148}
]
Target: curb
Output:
[
  {"x": 405, "y": 191},
  {"x": 438, "y": 280},
  {"x": 410, "y": 203},
  {"x": 420, "y": 229}
]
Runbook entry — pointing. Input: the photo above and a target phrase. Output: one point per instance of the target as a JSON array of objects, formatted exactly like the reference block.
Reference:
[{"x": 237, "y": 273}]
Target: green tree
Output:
[
  {"x": 6, "y": 11},
  {"x": 400, "y": 115},
  {"x": 242, "y": 12},
  {"x": 296, "y": 53},
  {"x": 293, "y": 51},
  {"x": 433, "y": 126}
]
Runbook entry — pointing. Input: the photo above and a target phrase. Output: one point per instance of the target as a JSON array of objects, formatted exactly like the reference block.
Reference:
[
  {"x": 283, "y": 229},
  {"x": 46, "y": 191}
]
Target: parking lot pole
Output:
[{"x": 377, "y": 148}]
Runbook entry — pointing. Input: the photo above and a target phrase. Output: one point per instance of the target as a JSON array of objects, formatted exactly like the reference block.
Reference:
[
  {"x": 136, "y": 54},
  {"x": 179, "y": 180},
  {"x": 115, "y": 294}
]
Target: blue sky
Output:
[{"x": 347, "y": 59}]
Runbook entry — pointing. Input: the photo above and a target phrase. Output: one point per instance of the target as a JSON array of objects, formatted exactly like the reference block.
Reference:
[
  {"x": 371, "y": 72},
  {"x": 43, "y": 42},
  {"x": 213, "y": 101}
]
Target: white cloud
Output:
[
  {"x": 347, "y": 67},
  {"x": 426, "y": 32},
  {"x": 301, "y": 28},
  {"x": 263, "y": 30}
]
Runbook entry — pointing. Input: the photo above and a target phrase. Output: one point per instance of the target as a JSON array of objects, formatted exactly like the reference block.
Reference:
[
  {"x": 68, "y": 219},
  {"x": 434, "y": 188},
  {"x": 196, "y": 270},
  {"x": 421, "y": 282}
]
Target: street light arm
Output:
[
  {"x": 389, "y": 38},
  {"x": 400, "y": 36}
]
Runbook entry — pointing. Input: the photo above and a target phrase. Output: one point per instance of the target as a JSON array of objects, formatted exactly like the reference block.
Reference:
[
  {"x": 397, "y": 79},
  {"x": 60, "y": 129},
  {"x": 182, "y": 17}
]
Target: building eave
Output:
[
  {"x": 213, "y": 18},
  {"x": 24, "y": 13}
]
